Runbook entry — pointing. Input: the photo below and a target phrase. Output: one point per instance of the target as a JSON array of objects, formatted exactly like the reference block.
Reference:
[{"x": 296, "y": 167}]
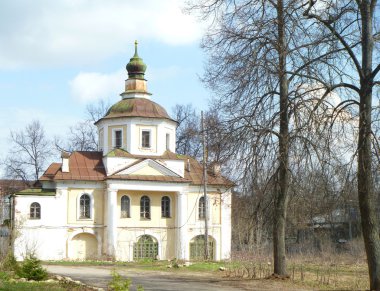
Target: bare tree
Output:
[
  {"x": 253, "y": 47},
  {"x": 30, "y": 152},
  {"x": 96, "y": 111},
  {"x": 353, "y": 25},
  {"x": 188, "y": 140},
  {"x": 83, "y": 136}
]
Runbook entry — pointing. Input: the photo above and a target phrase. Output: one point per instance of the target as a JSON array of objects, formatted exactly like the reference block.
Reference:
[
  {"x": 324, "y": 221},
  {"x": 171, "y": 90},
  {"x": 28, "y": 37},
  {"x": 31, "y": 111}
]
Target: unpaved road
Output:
[{"x": 99, "y": 276}]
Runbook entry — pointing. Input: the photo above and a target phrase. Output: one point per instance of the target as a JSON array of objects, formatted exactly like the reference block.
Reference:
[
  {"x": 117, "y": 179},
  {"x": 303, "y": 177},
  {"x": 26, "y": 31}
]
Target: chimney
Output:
[
  {"x": 188, "y": 165},
  {"x": 65, "y": 161},
  {"x": 215, "y": 168}
]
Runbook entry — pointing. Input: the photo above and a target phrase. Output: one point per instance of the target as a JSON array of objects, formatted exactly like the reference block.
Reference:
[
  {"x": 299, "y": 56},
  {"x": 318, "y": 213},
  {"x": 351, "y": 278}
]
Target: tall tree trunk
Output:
[
  {"x": 366, "y": 192},
  {"x": 281, "y": 200}
]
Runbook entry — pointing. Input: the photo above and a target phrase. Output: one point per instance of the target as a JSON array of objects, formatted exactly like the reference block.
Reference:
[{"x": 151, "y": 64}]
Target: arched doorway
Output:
[
  {"x": 197, "y": 248},
  {"x": 145, "y": 248},
  {"x": 83, "y": 246}
]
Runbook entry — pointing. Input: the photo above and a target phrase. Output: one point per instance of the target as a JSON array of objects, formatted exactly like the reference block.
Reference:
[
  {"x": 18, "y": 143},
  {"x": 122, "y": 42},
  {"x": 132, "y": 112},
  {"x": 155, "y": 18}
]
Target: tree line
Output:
[{"x": 295, "y": 83}]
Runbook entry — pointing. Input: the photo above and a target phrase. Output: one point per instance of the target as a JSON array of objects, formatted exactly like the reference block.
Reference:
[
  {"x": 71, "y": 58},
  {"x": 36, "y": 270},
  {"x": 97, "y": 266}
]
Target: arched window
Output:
[
  {"x": 35, "y": 211},
  {"x": 202, "y": 208},
  {"x": 165, "y": 206},
  {"x": 145, "y": 207},
  {"x": 125, "y": 206},
  {"x": 145, "y": 248},
  {"x": 197, "y": 248},
  {"x": 84, "y": 206}
]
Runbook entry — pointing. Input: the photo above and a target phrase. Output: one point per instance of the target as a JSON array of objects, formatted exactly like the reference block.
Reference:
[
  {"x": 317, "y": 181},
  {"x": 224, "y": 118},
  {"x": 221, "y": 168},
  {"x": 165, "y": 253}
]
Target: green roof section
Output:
[
  {"x": 37, "y": 192},
  {"x": 136, "y": 67}
]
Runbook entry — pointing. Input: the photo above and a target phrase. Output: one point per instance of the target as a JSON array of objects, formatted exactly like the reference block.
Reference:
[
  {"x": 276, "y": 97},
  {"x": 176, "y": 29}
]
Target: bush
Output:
[
  {"x": 9, "y": 263},
  {"x": 31, "y": 269},
  {"x": 118, "y": 283}
]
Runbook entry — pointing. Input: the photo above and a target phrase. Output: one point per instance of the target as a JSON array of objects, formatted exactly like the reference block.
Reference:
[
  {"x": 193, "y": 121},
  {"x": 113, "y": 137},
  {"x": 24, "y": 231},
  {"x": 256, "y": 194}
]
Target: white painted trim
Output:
[
  {"x": 80, "y": 185},
  {"x": 151, "y": 163},
  {"x": 111, "y": 221},
  {"x": 146, "y": 185}
]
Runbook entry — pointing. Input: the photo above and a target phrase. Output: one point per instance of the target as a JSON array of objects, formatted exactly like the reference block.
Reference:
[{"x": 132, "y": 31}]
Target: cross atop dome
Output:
[
  {"x": 136, "y": 67},
  {"x": 135, "y": 85}
]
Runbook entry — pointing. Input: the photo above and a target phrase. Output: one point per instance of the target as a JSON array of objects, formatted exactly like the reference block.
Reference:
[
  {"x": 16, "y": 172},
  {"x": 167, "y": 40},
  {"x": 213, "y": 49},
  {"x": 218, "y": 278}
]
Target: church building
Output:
[{"x": 135, "y": 198}]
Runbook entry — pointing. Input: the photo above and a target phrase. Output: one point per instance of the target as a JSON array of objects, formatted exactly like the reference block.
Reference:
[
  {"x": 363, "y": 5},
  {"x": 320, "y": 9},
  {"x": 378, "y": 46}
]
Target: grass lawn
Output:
[
  {"x": 31, "y": 286},
  {"x": 144, "y": 264},
  {"x": 36, "y": 286}
]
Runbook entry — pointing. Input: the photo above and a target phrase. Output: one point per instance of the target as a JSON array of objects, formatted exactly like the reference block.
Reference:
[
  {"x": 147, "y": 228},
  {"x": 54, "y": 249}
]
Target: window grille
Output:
[
  {"x": 118, "y": 139},
  {"x": 202, "y": 208},
  {"x": 125, "y": 207},
  {"x": 145, "y": 248},
  {"x": 165, "y": 206},
  {"x": 197, "y": 248},
  {"x": 145, "y": 138},
  {"x": 35, "y": 211},
  {"x": 84, "y": 205},
  {"x": 145, "y": 207}
]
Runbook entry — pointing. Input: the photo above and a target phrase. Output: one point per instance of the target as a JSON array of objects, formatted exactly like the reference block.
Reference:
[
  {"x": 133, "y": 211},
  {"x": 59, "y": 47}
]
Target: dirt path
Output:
[{"x": 99, "y": 276}]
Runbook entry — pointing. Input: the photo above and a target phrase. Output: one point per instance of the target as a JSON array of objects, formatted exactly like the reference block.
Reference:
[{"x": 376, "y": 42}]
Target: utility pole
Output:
[{"x": 205, "y": 186}]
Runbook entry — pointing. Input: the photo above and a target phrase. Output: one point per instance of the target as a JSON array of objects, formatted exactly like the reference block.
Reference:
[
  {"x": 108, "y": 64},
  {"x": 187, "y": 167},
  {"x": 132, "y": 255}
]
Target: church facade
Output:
[{"x": 133, "y": 199}]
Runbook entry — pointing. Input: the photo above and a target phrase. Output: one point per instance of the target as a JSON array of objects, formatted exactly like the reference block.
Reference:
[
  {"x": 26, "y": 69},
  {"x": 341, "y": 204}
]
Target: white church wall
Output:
[{"x": 43, "y": 236}]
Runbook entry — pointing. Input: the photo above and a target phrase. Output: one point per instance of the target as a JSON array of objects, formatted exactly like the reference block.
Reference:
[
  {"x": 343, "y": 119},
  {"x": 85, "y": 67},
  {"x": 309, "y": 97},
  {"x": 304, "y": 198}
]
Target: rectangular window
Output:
[
  {"x": 101, "y": 139},
  {"x": 167, "y": 141},
  {"x": 118, "y": 138},
  {"x": 145, "y": 138},
  {"x": 165, "y": 206}
]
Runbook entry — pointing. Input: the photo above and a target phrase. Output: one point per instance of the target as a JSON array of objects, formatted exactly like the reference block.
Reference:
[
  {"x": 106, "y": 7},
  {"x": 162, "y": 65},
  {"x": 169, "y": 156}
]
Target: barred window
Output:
[
  {"x": 202, "y": 208},
  {"x": 118, "y": 139},
  {"x": 35, "y": 211},
  {"x": 125, "y": 206},
  {"x": 167, "y": 141},
  {"x": 145, "y": 207},
  {"x": 145, "y": 138},
  {"x": 84, "y": 206},
  {"x": 165, "y": 206}
]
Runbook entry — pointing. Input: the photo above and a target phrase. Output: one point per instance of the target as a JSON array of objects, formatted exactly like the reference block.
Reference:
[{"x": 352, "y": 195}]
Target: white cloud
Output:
[
  {"x": 87, "y": 87},
  {"x": 44, "y": 32}
]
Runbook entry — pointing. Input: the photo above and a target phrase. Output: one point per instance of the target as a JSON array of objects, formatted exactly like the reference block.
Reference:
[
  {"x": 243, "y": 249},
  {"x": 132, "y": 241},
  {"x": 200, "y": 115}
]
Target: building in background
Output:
[{"x": 133, "y": 199}]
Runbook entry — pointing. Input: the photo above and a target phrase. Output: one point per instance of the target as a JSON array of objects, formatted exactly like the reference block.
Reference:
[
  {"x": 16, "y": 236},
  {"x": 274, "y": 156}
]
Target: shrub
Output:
[
  {"x": 118, "y": 283},
  {"x": 9, "y": 263},
  {"x": 4, "y": 277},
  {"x": 31, "y": 269}
]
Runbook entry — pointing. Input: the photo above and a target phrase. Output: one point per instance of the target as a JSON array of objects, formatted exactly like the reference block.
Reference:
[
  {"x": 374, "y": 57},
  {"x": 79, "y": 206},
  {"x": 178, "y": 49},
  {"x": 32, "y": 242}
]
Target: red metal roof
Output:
[{"x": 88, "y": 166}]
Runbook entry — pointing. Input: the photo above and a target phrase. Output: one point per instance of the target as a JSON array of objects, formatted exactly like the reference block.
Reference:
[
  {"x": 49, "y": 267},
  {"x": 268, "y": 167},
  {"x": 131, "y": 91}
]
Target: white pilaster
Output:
[
  {"x": 111, "y": 221},
  {"x": 182, "y": 229},
  {"x": 225, "y": 242},
  {"x": 61, "y": 195}
]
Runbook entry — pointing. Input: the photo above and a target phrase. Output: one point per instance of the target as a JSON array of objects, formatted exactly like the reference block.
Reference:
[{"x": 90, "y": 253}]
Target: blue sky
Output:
[{"x": 58, "y": 56}]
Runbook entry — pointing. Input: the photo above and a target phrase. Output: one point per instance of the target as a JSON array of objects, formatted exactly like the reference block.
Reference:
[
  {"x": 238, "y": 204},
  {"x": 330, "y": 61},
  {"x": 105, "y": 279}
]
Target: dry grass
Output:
[{"x": 323, "y": 271}]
